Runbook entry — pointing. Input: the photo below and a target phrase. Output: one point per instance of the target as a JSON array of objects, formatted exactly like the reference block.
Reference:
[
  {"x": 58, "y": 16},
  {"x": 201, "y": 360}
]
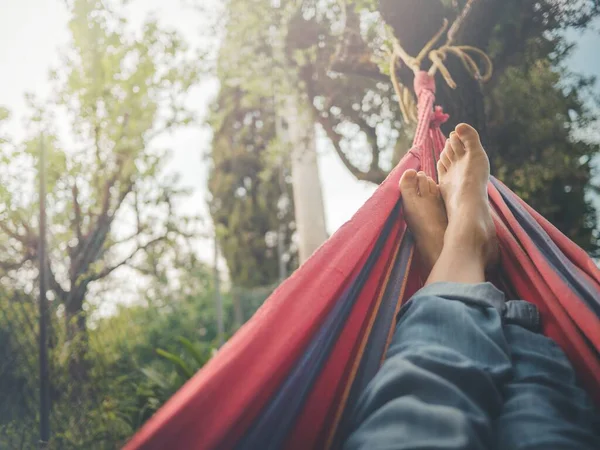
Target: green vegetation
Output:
[
  {"x": 132, "y": 306},
  {"x": 137, "y": 359}
]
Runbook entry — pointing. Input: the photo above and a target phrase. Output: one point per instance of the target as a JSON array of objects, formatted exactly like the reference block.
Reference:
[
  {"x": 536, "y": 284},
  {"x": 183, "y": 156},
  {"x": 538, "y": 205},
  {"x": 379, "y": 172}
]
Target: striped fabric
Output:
[{"x": 290, "y": 377}]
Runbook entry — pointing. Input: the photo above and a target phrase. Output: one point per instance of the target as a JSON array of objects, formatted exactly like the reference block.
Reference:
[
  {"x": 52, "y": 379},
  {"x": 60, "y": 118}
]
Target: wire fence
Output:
[{"x": 133, "y": 361}]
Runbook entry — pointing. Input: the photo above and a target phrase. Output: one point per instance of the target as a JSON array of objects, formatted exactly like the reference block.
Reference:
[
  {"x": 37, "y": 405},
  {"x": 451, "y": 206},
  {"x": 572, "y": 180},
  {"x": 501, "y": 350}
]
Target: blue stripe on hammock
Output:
[
  {"x": 272, "y": 427},
  {"x": 556, "y": 258},
  {"x": 376, "y": 344}
]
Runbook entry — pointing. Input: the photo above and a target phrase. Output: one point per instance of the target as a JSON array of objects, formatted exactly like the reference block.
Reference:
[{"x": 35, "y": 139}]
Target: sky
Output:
[{"x": 32, "y": 32}]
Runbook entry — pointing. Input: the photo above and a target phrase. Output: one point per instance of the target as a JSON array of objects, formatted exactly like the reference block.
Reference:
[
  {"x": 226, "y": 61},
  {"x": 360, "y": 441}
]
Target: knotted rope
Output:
[{"x": 437, "y": 56}]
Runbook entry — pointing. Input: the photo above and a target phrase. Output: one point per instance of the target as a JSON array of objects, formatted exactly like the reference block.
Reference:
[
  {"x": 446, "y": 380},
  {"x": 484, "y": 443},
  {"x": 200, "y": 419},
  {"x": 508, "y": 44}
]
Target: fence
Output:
[{"x": 134, "y": 360}]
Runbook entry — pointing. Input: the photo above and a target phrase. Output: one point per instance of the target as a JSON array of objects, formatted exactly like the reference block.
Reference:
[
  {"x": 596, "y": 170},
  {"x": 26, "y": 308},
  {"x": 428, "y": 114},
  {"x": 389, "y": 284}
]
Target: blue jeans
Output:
[{"x": 467, "y": 370}]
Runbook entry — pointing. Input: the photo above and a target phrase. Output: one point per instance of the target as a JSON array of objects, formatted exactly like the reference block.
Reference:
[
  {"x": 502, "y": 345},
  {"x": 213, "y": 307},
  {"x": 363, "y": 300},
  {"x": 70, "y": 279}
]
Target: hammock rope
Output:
[
  {"x": 292, "y": 375},
  {"x": 467, "y": 54}
]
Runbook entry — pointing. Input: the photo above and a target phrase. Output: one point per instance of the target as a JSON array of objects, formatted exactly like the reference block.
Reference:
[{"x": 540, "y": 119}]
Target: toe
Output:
[
  {"x": 456, "y": 144},
  {"x": 433, "y": 187},
  {"x": 449, "y": 150},
  {"x": 445, "y": 160},
  {"x": 408, "y": 183},
  {"x": 447, "y": 145},
  {"x": 468, "y": 135},
  {"x": 441, "y": 168},
  {"x": 422, "y": 183}
]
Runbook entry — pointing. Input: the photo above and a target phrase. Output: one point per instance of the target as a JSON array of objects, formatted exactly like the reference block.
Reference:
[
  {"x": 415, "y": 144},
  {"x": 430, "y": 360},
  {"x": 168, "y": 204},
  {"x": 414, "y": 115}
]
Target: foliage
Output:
[
  {"x": 251, "y": 194},
  {"x": 138, "y": 358},
  {"x": 112, "y": 206},
  {"x": 555, "y": 171},
  {"x": 109, "y": 200},
  {"x": 250, "y": 185},
  {"x": 529, "y": 113},
  {"x": 159, "y": 386},
  {"x": 535, "y": 106},
  {"x": 18, "y": 356}
]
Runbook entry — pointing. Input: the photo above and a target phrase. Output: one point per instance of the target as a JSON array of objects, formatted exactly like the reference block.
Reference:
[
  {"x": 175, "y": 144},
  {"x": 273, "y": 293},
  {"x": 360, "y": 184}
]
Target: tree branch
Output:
[
  {"x": 371, "y": 133},
  {"x": 374, "y": 175},
  {"x": 359, "y": 68},
  {"x": 7, "y": 266},
  {"x": 53, "y": 282},
  {"x": 136, "y": 207},
  {"x": 352, "y": 55},
  {"x": 96, "y": 238},
  {"x": 129, "y": 238},
  {"x": 107, "y": 270},
  {"x": 25, "y": 240},
  {"x": 477, "y": 26},
  {"x": 77, "y": 209}
]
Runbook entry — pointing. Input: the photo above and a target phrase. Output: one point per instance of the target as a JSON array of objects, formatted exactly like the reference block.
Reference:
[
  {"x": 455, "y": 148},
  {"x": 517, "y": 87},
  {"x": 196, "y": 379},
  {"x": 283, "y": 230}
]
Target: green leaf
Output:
[
  {"x": 193, "y": 351},
  {"x": 180, "y": 365},
  {"x": 156, "y": 377}
]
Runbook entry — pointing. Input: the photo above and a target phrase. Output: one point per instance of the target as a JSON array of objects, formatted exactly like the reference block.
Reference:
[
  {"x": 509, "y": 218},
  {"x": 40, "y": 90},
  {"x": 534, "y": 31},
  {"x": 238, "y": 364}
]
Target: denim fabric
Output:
[{"x": 467, "y": 370}]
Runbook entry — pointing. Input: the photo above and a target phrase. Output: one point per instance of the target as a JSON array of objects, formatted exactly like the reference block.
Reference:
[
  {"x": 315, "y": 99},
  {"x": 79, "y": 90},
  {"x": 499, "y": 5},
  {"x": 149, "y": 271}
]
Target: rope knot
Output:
[
  {"x": 438, "y": 117},
  {"x": 423, "y": 82},
  {"x": 475, "y": 61}
]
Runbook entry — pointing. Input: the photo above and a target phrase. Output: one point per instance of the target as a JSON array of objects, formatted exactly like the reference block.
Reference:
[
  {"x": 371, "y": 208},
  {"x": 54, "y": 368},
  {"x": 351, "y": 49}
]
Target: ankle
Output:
[
  {"x": 475, "y": 239},
  {"x": 456, "y": 264}
]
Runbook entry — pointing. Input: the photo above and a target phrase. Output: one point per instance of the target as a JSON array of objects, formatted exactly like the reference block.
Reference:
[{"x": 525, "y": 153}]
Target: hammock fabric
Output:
[{"x": 290, "y": 377}]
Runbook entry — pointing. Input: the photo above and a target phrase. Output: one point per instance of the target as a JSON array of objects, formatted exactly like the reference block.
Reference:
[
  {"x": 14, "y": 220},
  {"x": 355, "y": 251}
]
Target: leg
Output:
[
  {"x": 470, "y": 244},
  {"x": 438, "y": 387},
  {"x": 544, "y": 408},
  {"x": 425, "y": 215}
]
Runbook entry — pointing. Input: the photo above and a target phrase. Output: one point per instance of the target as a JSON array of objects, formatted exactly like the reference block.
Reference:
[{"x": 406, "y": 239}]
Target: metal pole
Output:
[
  {"x": 218, "y": 299},
  {"x": 283, "y": 200},
  {"x": 43, "y": 309},
  {"x": 281, "y": 252},
  {"x": 281, "y": 230}
]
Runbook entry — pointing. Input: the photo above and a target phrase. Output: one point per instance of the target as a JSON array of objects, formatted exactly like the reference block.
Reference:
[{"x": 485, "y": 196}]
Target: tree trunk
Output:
[
  {"x": 308, "y": 196},
  {"x": 78, "y": 342}
]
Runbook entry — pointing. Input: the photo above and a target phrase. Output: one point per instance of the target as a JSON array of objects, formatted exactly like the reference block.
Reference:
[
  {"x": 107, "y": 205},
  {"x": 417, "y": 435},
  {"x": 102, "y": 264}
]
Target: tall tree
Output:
[
  {"x": 109, "y": 199},
  {"x": 255, "y": 60},
  {"x": 528, "y": 113},
  {"x": 250, "y": 181},
  {"x": 251, "y": 203},
  {"x": 340, "y": 53}
]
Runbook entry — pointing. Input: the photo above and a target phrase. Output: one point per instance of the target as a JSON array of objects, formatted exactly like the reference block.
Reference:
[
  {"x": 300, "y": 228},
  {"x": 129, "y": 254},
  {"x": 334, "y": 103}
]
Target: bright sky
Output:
[{"x": 33, "y": 31}]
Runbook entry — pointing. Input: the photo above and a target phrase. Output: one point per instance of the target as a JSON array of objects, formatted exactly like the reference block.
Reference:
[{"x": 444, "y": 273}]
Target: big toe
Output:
[
  {"x": 409, "y": 183},
  {"x": 469, "y": 136}
]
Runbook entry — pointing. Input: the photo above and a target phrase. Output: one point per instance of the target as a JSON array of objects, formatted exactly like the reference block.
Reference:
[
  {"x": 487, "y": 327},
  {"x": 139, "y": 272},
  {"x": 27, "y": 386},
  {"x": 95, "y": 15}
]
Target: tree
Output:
[
  {"x": 528, "y": 113},
  {"x": 251, "y": 192},
  {"x": 138, "y": 356},
  {"x": 340, "y": 53},
  {"x": 20, "y": 379},
  {"x": 250, "y": 182},
  {"x": 109, "y": 199}
]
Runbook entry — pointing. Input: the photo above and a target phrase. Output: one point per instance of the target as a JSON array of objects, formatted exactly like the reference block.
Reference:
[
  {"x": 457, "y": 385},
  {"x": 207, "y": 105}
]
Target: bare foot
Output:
[
  {"x": 425, "y": 215},
  {"x": 464, "y": 171}
]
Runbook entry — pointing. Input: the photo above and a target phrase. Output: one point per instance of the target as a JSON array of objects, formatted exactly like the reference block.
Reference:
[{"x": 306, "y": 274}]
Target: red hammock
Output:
[{"x": 289, "y": 377}]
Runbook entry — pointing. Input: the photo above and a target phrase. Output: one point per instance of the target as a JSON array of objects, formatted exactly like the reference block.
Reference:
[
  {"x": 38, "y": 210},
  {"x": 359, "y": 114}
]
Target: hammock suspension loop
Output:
[{"x": 467, "y": 54}]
